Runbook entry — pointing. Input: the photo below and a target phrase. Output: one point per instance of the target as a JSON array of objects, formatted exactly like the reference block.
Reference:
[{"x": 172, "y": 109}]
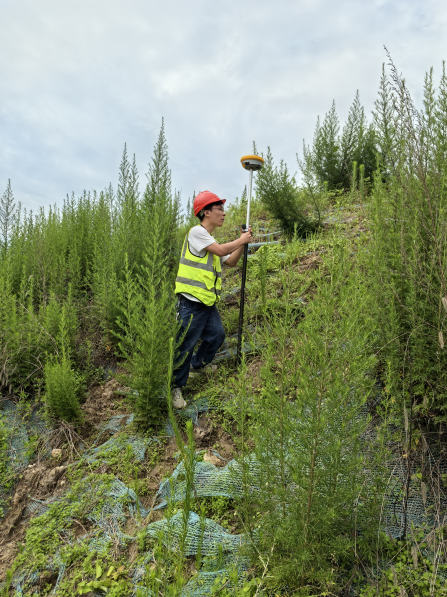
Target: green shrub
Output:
[
  {"x": 306, "y": 430},
  {"x": 277, "y": 190},
  {"x": 330, "y": 159},
  {"x": 6, "y": 476},
  {"x": 413, "y": 568},
  {"x": 409, "y": 244},
  {"x": 145, "y": 296},
  {"x": 62, "y": 387}
]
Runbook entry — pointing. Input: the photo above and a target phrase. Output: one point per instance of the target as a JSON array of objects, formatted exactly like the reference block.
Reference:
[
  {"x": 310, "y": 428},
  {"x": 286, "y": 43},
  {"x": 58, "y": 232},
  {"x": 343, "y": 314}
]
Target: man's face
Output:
[{"x": 216, "y": 215}]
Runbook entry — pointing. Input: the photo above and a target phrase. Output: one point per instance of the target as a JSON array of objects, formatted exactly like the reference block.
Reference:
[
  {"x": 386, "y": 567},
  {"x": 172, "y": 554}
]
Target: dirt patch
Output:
[
  {"x": 225, "y": 445},
  {"x": 103, "y": 403},
  {"x": 254, "y": 373},
  {"x": 46, "y": 480},
  {"x": 8, "y": 551},
  {"x": 81, "y": 528},
  {"x": 37, "y": 482},
  {"x": 215, "y": 437},
  {"x": 309, "y": 262}
]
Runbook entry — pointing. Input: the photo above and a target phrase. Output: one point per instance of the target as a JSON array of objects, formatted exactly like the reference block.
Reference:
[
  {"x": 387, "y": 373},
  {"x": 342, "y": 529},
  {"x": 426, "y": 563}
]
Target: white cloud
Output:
[{"x": 78, "y": 79}]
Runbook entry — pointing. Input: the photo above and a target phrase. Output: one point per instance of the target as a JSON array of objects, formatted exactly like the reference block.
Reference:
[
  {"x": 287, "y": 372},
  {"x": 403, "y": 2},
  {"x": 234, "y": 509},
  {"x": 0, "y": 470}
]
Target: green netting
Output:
[
  {"x": 137, "y": 443},
  {"x": 213, "y": 538},
  {"x": 20, "y": 429},
  {"x": 208, "y": 481},
  {"x": 222, "y": 550}
]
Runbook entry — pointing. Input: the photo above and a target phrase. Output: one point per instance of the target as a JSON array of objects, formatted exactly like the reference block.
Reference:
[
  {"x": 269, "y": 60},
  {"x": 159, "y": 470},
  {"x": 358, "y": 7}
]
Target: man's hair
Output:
[{"x": 210, "y": 206}]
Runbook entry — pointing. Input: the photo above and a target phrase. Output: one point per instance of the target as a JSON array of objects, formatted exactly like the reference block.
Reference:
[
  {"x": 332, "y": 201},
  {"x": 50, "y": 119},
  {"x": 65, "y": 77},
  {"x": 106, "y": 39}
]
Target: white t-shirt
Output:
[{"x": 199, "y": 239}]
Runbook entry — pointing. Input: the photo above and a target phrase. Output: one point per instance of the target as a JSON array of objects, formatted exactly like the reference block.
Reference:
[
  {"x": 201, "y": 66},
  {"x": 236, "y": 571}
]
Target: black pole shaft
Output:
[{"x": 241, "y": 307}]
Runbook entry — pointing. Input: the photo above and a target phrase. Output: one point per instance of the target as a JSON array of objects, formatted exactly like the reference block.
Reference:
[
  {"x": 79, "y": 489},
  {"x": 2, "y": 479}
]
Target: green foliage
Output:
[
  {"x": 306, "y": 429},
  {"x": 62, "y": 387},
  {"x": 145, "y": 300},
  {"x": 76, "y": 255},
  {"x": 412, "y": 572},
  {"x": 385, "y": 125},
  {"x": 95, "y": 277},
  {"x": 277, "y": 191},
  {"x": 7, "y": 211},
  {"x": 6, "y": 477},
  {"x": 266, "y": 259},
  {"x": 217, "y": 508},
  {"x": 228, "y": 586},
  {"x": 409, "y": 241},
  {"x": 147, "y": 321},
  {"x": 189, "y": 219},
  {"x": 43, "y": 535},
  {"x": 329, "y": 160},
  {"x": 103, "y": 581}
]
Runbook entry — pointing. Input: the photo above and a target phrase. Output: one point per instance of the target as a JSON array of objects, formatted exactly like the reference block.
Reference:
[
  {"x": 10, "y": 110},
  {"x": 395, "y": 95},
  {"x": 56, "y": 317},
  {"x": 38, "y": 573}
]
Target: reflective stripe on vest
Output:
[{"x": 199, "y": 276}]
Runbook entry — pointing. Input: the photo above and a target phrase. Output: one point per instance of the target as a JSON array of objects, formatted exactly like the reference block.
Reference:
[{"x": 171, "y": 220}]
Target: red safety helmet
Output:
[{"x": 205, "y": 198}]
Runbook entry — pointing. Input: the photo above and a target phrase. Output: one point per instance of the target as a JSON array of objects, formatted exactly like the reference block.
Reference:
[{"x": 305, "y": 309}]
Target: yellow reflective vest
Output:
[{"x": 199, "y": 276}]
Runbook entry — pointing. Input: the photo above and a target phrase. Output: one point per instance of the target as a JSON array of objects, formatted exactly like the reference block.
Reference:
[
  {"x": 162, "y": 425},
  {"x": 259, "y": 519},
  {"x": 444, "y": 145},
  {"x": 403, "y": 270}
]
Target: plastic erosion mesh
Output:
[
  {"x": 20, "y": 430},
  {"x": 19, "y": 435},
  {"x": 212, "y": 538},
  {"x": 424, "y": 509},
  {"x": 208, "y": 481},
  {"x": 137, "y": 443},
  {"x": 214, "y": 541},
  {"x": 122, "y": 504},
  {"x": 222, "y": 550}
]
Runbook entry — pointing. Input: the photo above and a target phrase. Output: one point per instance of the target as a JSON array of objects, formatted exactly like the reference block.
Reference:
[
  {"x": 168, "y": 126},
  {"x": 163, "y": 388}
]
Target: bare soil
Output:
[{"x": 46, "y": 479}]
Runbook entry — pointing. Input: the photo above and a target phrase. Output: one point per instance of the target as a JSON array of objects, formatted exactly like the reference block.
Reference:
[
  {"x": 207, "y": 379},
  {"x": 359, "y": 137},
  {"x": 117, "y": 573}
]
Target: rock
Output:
[
  {"x": 109, "y": 388},
  {"x": 210, "y": 457},
  {"x": 50, "y": 477},
  {"x": 56, "y": 453},
  {"x": 200, "y": 433}
]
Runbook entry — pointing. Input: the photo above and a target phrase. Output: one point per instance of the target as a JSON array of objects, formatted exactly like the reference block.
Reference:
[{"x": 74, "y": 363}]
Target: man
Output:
[{"x": 198, "y": 285}]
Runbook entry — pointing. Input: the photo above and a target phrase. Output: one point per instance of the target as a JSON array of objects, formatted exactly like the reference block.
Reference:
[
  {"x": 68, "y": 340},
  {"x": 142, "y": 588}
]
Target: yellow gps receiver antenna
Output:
[{"x": 252, "y": 162}]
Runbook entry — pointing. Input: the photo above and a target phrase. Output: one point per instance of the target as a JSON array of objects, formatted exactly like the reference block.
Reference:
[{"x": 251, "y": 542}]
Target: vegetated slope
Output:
[
  {"x": 86, "y": 518},
  {"x": 48, "y": 478}
]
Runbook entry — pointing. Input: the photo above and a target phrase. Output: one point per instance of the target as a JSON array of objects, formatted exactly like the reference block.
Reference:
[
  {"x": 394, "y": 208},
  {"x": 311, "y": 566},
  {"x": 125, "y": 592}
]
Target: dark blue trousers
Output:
[{"x": 205, "y": 325}]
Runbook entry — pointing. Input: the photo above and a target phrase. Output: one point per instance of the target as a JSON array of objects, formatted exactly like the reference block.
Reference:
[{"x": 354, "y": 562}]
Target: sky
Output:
[{"x": 80, "y": 79}]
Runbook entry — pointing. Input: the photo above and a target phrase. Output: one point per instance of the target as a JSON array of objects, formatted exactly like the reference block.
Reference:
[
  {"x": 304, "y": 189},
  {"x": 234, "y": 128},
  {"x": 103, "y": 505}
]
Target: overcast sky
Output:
[{"x": 79, "y": 79}]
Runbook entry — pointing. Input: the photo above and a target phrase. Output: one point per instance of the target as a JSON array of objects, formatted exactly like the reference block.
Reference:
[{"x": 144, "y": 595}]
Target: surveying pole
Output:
[{"x": 250, "y": 163}]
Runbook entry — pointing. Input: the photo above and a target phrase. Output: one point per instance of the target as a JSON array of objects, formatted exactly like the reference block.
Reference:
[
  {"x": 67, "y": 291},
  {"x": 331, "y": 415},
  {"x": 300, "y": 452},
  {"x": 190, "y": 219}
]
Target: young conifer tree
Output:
[
  {"x": 409, "y": 246},
  {"x": 147, "y": 323},
  {"x": 350, "y": 134},
  {"x": 277, "y": 190},
  {"x": 326, "y": 150},
  {"x": 129, "y": 223},
  {"x": 7, "y": 211},
  {"x": 357, "y": 143},
  {"x": 146, "y": 297},
  {"x": 384, "y": 124},
  {"x": 158, "y": 196},
  {"x": 308, "y": 423},
  {"x": 62, "y": 386}
]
